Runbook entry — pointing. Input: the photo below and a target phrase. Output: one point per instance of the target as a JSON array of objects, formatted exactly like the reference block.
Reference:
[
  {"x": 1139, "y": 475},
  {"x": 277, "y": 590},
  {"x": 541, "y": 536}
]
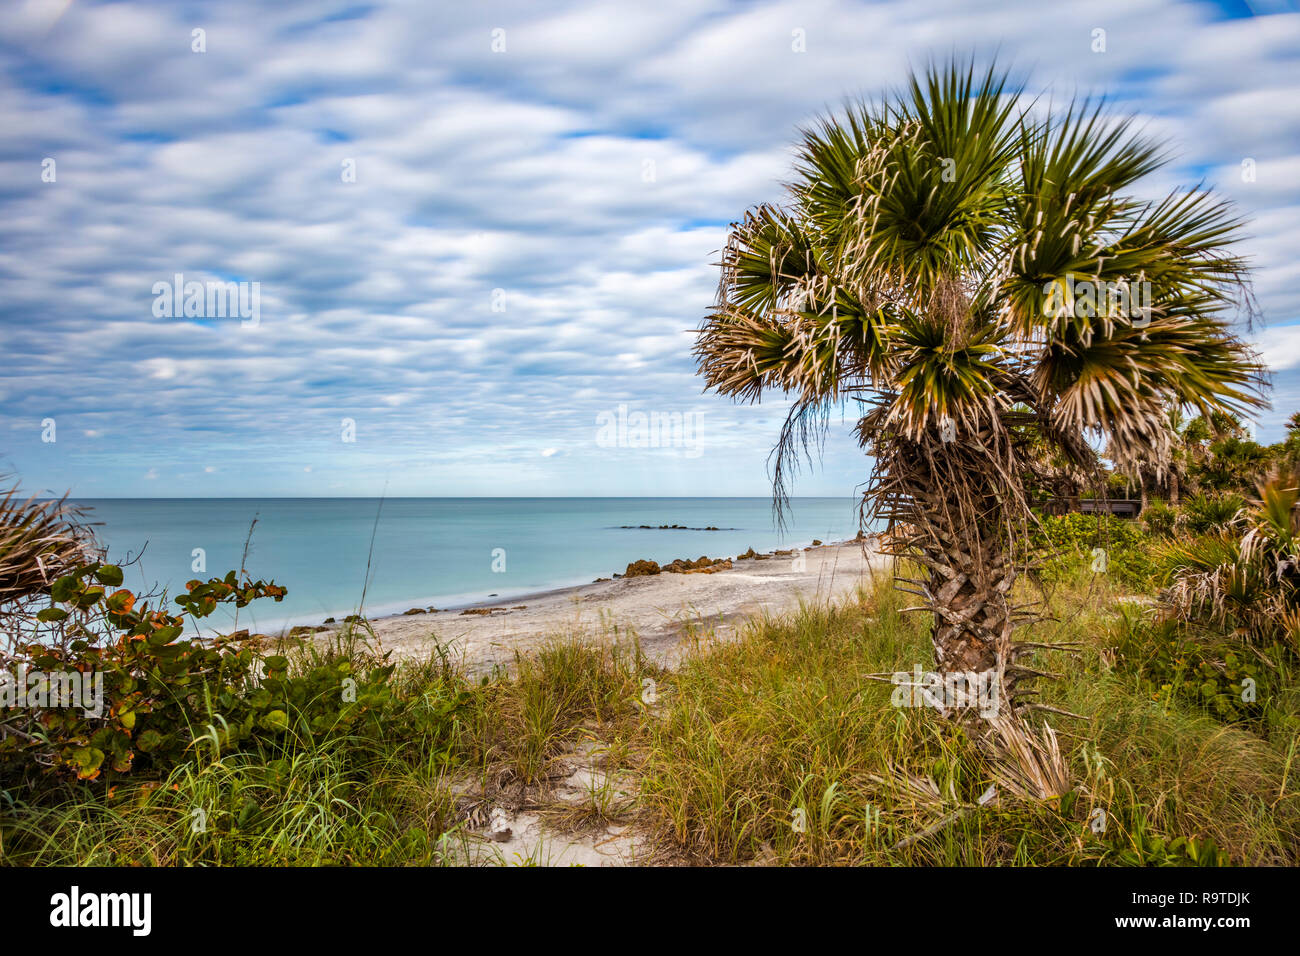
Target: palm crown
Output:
[{"x": 970, "y": 268}]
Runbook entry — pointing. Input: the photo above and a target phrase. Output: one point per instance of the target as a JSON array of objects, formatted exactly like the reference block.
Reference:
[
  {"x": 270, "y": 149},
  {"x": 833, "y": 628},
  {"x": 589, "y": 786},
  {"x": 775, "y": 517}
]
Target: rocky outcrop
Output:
[
  {"x": 640, "y": 569},
  {"x": 668, "y": 527},
  {"x": 304, "y": 629},
  {"x": 701, "y": 565}
]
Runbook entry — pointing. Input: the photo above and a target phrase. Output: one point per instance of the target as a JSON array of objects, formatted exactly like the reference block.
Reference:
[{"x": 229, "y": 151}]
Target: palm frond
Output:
[{"x": 40, "y": 540}]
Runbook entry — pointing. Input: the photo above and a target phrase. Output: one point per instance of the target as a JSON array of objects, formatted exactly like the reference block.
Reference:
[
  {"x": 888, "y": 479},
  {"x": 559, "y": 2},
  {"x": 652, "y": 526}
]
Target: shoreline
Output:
[
  {"x": 562, "y": 589},
  {"x": 281, "y": 624},
  {"x": 659, "y": 610}
]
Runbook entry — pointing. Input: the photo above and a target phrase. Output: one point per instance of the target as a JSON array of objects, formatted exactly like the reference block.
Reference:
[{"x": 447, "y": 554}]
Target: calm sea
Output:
[{"x": 432, "y": 551}]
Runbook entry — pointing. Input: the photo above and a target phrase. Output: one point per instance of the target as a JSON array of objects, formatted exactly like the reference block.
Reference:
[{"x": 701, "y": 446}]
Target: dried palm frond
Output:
[
  {"x": 40, "y": 540},
  {"x": 1027, "y": 762},
  {"x": 921, "y": 790}
]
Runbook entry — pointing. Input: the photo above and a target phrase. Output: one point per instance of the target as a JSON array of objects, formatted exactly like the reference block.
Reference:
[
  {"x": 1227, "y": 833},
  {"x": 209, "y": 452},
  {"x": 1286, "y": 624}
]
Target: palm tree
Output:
[{"x": 933, "y": 263}]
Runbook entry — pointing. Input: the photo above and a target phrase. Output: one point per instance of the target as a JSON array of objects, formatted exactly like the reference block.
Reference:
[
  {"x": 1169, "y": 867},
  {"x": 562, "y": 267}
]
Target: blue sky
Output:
[{"x": 529, "y": 239}]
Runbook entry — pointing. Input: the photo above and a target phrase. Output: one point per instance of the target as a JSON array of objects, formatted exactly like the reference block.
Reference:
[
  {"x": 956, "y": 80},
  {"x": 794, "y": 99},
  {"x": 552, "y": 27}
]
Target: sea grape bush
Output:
[
  {"x": 1173, "y": 662},
  {"x": 166, "y": 697}
]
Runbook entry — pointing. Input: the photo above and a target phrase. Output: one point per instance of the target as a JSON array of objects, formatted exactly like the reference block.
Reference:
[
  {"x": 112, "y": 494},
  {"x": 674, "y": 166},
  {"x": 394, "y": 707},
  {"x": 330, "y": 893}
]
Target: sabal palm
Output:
[{"x": 911, "y": 269}]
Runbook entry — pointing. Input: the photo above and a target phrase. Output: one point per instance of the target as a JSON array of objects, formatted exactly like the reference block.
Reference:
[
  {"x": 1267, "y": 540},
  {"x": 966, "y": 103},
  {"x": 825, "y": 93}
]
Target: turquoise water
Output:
[{"x": 432, "y": 551}]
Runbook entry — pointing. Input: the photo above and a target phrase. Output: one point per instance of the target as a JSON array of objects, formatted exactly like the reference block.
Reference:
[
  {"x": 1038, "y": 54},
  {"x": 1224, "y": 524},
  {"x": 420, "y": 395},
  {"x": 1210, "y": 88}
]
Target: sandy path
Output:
[{"x": 658, "y": 608}]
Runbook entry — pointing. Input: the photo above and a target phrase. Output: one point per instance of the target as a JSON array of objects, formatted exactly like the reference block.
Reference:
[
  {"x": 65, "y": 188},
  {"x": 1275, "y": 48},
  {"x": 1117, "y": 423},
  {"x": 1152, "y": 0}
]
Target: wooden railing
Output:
[{"x": 1119, "y": 507}]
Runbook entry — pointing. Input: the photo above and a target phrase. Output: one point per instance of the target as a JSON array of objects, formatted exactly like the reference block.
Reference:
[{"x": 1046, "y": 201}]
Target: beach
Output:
[
  {"x": 662, "y": 611},
  {"x": 335, "y": 556}
]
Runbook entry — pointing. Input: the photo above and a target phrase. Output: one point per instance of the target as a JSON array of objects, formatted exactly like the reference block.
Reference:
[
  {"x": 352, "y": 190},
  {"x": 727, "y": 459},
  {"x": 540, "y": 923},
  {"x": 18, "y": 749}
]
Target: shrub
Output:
[
  {"x": 160, "y": 698},
  {"x": 1176, "y": 663},
  {"x": 1243, "y": 578},
  {"x": 1159, "y": 520},
  {"x": 1066, "y": 544},
  {"x": 1204, "y": 513}
]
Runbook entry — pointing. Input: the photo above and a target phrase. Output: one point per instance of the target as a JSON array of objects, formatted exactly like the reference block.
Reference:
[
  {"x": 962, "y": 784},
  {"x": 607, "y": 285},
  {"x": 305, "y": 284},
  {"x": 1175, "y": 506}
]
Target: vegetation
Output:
[
  {"x": 773, "y": 747},
  {"x": 924, "y": 268},
  {"x": 39, "y": 541},
  {"x": 787, "y": 719},
  {"x": 1241, "y": 577},
  {"x": 784, "y": 744},
  {"x": 930, "y": 265},
  {"x": 1072, "y": 545}
]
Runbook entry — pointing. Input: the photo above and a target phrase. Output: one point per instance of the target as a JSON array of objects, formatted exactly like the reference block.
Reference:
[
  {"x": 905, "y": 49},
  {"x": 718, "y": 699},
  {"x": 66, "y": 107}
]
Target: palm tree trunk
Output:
[
  {"x": 968, "y": 584},
  {"x": 951, "y": 502},
  {"x": 1173, "y": 487},
  {"x": 972, "y": 621}
]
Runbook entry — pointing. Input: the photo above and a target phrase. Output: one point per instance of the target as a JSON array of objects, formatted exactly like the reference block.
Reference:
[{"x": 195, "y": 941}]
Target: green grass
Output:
[
  {"x": 787, "y": 719},
  {"x": 775, "y": 746}
]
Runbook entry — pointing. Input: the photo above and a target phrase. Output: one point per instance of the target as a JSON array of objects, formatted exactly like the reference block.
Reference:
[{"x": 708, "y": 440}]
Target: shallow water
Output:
[{"x": 433, "y": 551}]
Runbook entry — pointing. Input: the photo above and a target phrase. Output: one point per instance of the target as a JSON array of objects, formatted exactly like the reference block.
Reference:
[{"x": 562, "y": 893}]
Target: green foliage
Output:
[
  {"x": 780, "y": 715},
  {"x": 1217, "y": 455},
  {"x": 783, "y": 717},
  {"x": 1153, "y": 850},
  {"x": 1204, "y": 513},
  {"x": 1159, "y": 519},
  {"x": 1069, "y": 544},
  {"x": 163, "y": 697},
  {"x": 1287, "y": 452},
  {"x": 1244, "y": 578},
  {"x": 1176, "y": 663},
  {"x": 1234, "y": 464},
  {"x": 1118, "y": 486}
]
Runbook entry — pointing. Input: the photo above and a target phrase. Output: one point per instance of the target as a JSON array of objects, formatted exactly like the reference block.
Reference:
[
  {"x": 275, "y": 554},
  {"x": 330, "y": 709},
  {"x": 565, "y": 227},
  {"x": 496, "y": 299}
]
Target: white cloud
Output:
[
  {"x": 1279, "y": 346},
  {"x": 521, "y": 171}
]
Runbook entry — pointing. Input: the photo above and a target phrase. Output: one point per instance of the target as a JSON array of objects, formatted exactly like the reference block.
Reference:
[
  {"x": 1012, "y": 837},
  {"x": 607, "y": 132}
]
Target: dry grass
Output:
[{"x": 40, "y": 540}]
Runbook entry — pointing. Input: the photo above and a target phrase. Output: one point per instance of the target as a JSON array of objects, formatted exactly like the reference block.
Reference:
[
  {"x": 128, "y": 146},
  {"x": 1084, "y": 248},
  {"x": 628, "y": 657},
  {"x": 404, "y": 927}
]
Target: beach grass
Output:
[
  {"x": 779, "y": 747},
  {"x": 773, "y": 746}
]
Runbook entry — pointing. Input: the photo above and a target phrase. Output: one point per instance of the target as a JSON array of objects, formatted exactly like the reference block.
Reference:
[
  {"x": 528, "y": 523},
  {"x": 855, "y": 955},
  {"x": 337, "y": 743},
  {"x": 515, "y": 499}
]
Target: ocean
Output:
[{"x": 440, "y": 552}]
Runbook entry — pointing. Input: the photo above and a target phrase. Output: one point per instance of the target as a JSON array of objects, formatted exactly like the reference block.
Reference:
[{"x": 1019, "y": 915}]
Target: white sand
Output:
[{"x": 660, "y": 609}]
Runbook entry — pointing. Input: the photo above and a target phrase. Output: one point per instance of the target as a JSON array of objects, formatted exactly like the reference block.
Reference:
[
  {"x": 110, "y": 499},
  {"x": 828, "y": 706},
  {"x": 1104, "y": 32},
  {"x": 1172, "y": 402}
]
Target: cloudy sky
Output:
[{"x": 476, "y": 227}]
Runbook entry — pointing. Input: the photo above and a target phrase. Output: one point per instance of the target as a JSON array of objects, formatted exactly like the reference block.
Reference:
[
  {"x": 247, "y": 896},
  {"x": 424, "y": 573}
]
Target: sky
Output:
[{"x": 482, "y": 234}]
